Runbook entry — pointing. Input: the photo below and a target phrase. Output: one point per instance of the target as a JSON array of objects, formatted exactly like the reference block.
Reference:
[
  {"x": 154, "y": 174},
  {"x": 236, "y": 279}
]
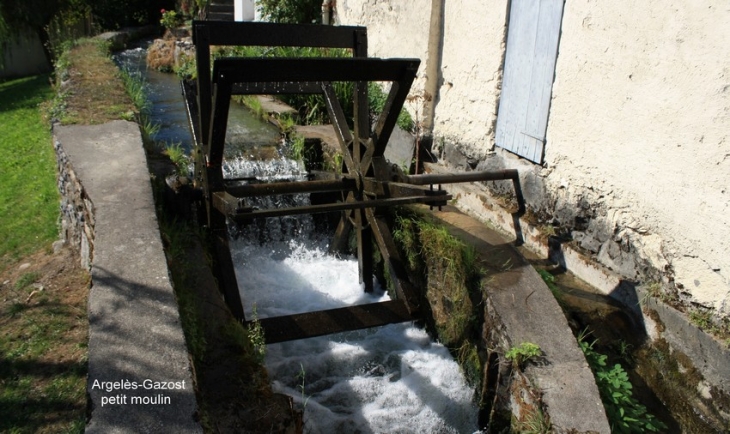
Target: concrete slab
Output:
[
  {"x": 139, "y": 373},
  {"x": 528, "y": 312}
]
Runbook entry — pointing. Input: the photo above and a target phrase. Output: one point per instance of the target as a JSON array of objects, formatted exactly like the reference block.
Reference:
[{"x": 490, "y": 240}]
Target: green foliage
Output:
[
  {"x": 471, "y": 364},
  {"x": 170, "y": 19},
  {"x": 312, "y": 108},
  {"x": 255, "y": 334},
  {"x": 291, "y": 11},
  {"x": 549, "y": 280},
  {"x": 28, "y": 192},
  {"x": 179, "y": 158},
  {"x": 137, "y": 89},
  {"x": 185, "y": 67},
  {"x": 115, "y": 14},
  {"x": 535, "y": 421},
  {"x": 702, "y": 319},
  {"x": 376, "y": 100},
  {"x": 624, "y": 412},
  {"x": 452, "y": 278},
  {"x": 297, "y": 147},
  {"x": 301, "y": 375},
  {"x": 523, "y": 353}
]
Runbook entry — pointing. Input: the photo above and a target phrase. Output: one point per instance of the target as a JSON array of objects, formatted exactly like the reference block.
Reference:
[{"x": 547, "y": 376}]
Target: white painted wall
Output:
[
  {"x": 638, "y": 126},
  {"x": 641, "y": 116}
]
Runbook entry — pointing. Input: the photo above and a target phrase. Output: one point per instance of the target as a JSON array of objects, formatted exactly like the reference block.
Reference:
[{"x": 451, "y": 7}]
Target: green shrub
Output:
[
  {"x": 625, "y": 413},
  {"x": 291, "y": 11}
]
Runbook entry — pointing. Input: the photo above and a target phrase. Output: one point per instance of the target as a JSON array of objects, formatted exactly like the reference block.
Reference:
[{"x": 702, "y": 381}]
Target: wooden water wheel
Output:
[{"x": 368, "y": 182}]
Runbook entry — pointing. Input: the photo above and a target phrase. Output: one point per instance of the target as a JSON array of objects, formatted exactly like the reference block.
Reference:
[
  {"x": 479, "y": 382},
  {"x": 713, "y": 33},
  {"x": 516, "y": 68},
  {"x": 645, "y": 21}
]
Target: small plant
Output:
[
  {"x": 702, "y": 319},
  {"x": 625, "y": 413},
  {"x": 186, "y": 68},
  {"x": 548, "y": 230},
  {"x": 254, "y": 104},
  {"x": 652, "y": 290},
  {"x": 287, "y": 123},
  {"x": 297, "y": 147},
  {"x": 536, "y": 421},
  {"x": 170, "y": 19},
  {"x": 178, "y": 157},
  {"x": 256, "y": 336},
  {"x": 136, "y": 87},
  {"x": 549, "y": 280},
  {"x": 301, "y": 375},
  {"x": 523, "y": 353}
]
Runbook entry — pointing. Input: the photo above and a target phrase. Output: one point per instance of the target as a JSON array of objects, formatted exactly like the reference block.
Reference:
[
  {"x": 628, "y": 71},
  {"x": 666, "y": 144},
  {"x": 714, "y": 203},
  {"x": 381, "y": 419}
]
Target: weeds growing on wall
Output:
[
  {"x": 450, "y": 271},
  {"x": 523, "y": 353}
]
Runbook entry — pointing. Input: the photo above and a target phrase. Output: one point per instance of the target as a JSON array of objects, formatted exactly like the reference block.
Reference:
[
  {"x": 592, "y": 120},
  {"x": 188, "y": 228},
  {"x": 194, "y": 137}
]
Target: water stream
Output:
[{"x": 387, "y": 379}]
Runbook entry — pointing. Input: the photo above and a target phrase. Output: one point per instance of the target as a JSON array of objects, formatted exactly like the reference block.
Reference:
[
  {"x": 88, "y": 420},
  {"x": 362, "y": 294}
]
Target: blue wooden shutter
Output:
[{"x": 532, "y": 49}]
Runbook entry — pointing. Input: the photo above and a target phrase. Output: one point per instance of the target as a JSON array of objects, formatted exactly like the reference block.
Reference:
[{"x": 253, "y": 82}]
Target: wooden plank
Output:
[
  {"x": 247, "y": 69},
  {"x": 325, "y": 322},
  {"x": 282, "y": 35}
]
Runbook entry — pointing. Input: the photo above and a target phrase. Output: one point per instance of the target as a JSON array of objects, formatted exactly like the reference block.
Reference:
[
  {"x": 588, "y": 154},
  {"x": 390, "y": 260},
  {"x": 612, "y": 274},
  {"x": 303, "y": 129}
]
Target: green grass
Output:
[{"x": 28, "y": 195}]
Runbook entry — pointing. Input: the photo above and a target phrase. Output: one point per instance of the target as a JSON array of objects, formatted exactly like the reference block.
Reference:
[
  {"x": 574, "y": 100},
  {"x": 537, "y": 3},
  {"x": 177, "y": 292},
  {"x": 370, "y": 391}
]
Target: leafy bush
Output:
[
  {"x": 291, "y": 11},
  {"x": 115, "y": 14},
  {"x": 170, "y": 19},
  {"x": 624, "y": 412}
]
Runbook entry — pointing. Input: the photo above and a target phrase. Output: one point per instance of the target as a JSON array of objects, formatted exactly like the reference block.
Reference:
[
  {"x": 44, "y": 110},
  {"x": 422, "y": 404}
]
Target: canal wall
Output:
[{"x": 140, "y": 377}]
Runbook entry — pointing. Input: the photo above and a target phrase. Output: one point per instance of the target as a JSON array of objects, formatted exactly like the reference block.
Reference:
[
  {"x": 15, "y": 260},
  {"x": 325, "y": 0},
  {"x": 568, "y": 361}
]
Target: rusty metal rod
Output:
[
  {"x": 273, "y": 188},
  {"x": 340, "y": 206},
  {"x": 452, "y": 178},
  {"x": 487, "y": 175}
]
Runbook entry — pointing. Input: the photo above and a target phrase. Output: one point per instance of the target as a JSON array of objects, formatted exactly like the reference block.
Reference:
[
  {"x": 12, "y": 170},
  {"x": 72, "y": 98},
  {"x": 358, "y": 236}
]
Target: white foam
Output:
[
  {"x": 383, "y": 380},
  {"x": 388, "y": 379}
]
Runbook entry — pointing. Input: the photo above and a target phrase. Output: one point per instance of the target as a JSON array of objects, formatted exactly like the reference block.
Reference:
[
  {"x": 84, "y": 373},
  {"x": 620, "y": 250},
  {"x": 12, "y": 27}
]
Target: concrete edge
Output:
[
  {"x": 708, "y": 355},
  {"x": 520, "y": 308},
  {"x": 140, "y": 376}
]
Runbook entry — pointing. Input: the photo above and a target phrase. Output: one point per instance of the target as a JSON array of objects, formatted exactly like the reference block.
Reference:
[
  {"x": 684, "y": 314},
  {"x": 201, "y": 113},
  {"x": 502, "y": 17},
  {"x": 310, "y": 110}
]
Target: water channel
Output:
[{"x": 388, "y": 379}]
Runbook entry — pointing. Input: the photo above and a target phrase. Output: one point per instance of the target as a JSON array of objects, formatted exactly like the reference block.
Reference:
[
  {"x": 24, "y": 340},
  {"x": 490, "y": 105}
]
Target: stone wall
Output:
[
  {"x": 77, "y": 210},
  {"x": 637, "y": 160}
]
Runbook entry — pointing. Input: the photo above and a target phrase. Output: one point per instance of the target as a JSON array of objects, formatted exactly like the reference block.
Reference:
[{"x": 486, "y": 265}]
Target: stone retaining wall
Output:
[{"x": 77, "y": 210}]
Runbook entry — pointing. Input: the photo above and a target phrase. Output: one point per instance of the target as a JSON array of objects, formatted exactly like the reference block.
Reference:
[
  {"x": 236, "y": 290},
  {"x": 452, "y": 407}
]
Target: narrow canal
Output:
[{"x": 388, "y": 379}]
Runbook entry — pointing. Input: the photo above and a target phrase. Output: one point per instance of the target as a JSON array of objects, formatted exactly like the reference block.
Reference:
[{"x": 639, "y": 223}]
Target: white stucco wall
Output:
[
  {"x": 641, "y": 116},
  {"x": 638, "y": 126},
  {"x": 472, "y": 55},
  {"x": 390, "y": 35}
]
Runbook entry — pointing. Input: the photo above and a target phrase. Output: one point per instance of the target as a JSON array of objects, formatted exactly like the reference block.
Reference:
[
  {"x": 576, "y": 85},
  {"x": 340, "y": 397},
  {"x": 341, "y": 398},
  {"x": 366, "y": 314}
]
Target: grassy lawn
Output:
[
  {"x": 28, "y": 194},
  {"x": 42, "y": 295}
]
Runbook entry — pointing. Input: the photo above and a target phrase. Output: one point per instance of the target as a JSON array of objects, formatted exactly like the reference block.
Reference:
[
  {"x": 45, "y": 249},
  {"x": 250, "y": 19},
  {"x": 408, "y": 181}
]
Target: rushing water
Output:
[{"x": 387, "y": 379}]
